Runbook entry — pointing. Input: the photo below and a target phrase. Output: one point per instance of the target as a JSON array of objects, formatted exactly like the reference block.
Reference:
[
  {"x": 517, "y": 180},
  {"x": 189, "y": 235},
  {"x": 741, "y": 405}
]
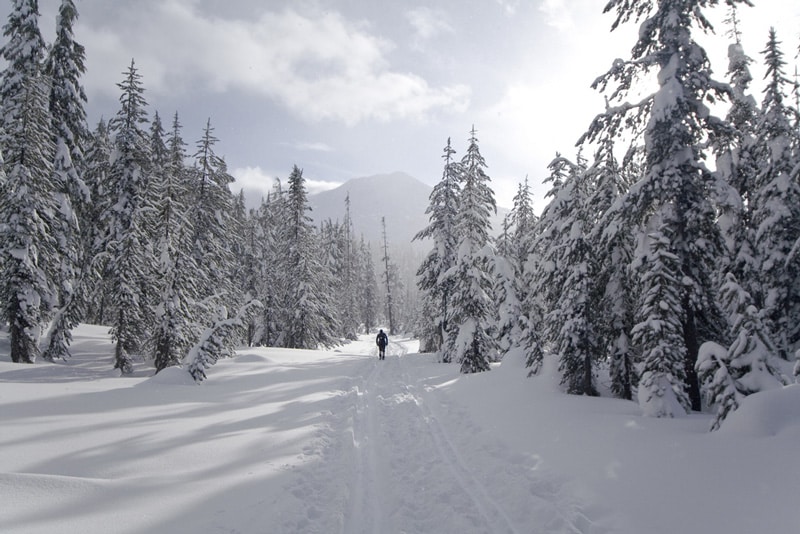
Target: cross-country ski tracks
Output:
[{"x": 394, "y": 458}]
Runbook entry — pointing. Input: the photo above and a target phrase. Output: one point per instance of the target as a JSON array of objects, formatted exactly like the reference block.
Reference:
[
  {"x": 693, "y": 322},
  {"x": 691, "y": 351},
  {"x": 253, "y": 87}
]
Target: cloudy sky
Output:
[{"x": 349, "y": 88}]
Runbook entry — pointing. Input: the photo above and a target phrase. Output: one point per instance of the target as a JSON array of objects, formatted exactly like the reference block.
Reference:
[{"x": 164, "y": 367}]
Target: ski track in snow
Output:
[{"x": 393, "y": 459}]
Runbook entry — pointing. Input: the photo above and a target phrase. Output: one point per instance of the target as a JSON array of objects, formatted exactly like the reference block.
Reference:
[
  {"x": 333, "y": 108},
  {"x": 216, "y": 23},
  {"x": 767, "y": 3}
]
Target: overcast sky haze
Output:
[{"x": 349, "y": 88}]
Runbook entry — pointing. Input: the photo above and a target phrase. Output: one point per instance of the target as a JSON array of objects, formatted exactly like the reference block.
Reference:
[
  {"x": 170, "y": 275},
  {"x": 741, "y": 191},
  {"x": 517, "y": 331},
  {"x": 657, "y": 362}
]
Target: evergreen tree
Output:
[
  {"x": 610, "y": 241},
  {"x": 568, "y": 285},
  {"x": 268, "y": 227},
  {"x": 676, "y": 185},
  {"x": 65, "y": 66},
  {"x": 176, "y": 311},
  {"x": 367, "y": 288},
  {"x": 28, "y": 249},
  {"x": 436, "y": 289},
  {"x": 472, "y": 314},
  {"x": 528, "y": 231},
  {"x": 523, "y": 220},
  {"x": 23, "y": 54},
  {"x": 389, "y": 280},
  {"x": 737, "y": 167},
  {"x": 509, "y": 309},
  {"x": 659, "y": 330},
  {"x": 776, "y": 205},
  {"x": 308, "y": 318},
  {"x": 348, "y": 294},
  {"x": 503, "y": 242},
  {"x": 125, "y": 243},
  {"x": 97, "y": 172},
  {"x": 212, "y": 219},
  {"x": 749, "y": 365},
  {"x": 339, "y": 260}
]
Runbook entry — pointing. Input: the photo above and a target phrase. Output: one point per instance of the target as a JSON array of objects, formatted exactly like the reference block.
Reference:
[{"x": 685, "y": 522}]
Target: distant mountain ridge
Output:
[{"x": 398, "y": 197}]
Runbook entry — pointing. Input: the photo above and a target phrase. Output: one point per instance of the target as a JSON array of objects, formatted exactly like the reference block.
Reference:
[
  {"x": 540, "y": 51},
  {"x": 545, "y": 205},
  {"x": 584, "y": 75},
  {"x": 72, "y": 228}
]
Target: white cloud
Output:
[
  {"x": 318, "y": 186},
  {"x": 253, "y": 179},
  {"x": 307, "y": 146},
  {"x": 428, "y": 22},
  {"x": 557, "y": 14},
  {"x": 318, "y": 65},
  {"x": 257, "y": 181},
  {"x": 510, "y": 6}
]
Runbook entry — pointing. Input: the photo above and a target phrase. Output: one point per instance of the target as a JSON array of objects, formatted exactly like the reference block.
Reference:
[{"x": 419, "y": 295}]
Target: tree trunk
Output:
[{"x": 692, "y": 348}]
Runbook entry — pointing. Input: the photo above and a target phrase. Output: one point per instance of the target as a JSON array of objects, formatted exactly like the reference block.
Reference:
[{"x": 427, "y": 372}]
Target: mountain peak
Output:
[{"x": 397, "y": 197}]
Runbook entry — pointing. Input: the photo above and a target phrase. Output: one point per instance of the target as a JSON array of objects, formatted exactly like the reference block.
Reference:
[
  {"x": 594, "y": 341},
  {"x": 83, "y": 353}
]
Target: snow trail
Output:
[{"x": 404, "y": 463}]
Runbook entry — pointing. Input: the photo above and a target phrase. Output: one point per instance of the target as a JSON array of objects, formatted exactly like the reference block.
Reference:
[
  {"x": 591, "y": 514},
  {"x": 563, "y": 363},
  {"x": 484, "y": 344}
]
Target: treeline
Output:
[
  {"x": 126, "y": 226},
  {"x": 679, "y": 281}
]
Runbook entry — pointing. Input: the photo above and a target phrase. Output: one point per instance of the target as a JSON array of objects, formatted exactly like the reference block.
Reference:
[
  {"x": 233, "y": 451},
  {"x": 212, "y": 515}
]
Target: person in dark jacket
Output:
[{"x": 382, "y": 340}]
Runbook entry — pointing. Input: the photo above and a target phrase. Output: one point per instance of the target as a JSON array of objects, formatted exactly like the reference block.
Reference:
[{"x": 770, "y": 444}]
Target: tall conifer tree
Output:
[
  {"x": 472, "y": 314},
  {"x": 28, "y": 249},
  {"x": 308, "y": 318},
  {"x": 436, "y": 289},
  {"x": 65, "y": 66},
  {"x": 676, "y": 184},
  {"x": 126, "y": 240},
  {"x": 776, "y": 204}
]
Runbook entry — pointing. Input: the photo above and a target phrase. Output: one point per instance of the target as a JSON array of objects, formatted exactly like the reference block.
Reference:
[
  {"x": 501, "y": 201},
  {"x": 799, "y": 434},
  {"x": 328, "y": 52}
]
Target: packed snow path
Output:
[{"x": 407, "y": 463}]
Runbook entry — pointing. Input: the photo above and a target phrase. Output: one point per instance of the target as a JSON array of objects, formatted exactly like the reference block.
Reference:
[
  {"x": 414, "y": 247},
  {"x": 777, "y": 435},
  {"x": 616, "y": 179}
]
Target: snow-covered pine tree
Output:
[
  {"x": 387, "y": 280},
  {"x": 267, "y": 276},
  {"x": 776, "y": 204},
  {"x": 240, "y": 251},
  {"x": 249, "y": 267},
  {"x": 472, "y": 313},
  {"x": 436, "y": 291},
  {"x": 96, "y": 174},
  {"x": 176, "y": 312},
  {"x": 506, "y": 271},
  {"x": 523, "y": 220},
  {"x": 399, "y": 295},
  {"x": 349, "y": 292},
  {"x": 157, "y": 177},
  {"x": 676, "y": 184},
  {"x": 23, "y": 53},
  {"x": 308, "y": 319},
  {"x": 527, "y": 266},
  {"x": 503, "y": 243},
  {"x": 28, "y": 247},
  {"x": 610, "y": 241},
  {"x": 749, "y": 365},
  {"x": 568, "y": 281},
  {"x": 127, "y": 270},
  {"x": 659, "y": 328},
  {"x": 338, "y": 259},
  {"x": 65, "y": 66},
  {"x": 510, "y": 321},
  {"x": 367, "y": 287},
  {"x": 737, "y": 167},
  {"x": 212, "y": 220}
]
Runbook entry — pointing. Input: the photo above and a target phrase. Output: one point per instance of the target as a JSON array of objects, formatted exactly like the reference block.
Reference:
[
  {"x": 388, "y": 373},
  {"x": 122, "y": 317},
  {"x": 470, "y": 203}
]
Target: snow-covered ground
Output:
[{"x": 288, "y": 441}]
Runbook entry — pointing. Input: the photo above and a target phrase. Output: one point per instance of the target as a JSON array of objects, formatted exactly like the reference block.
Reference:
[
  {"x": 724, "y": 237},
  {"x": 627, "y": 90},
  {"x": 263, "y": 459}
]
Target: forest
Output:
[{"x": 666, "y": 259}]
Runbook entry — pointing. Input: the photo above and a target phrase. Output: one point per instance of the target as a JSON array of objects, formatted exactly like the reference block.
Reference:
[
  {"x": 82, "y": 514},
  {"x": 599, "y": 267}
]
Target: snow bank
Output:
[{"x": 767, "y": 413}]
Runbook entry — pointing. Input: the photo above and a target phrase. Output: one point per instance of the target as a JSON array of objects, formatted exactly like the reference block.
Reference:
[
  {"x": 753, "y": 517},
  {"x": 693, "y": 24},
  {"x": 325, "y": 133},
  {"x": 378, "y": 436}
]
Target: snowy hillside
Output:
[{"x": 289, "y": 441}]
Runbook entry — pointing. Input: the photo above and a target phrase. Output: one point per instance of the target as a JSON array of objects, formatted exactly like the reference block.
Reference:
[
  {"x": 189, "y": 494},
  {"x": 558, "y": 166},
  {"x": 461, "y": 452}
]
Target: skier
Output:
[{"x": 382, "y": 340}]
